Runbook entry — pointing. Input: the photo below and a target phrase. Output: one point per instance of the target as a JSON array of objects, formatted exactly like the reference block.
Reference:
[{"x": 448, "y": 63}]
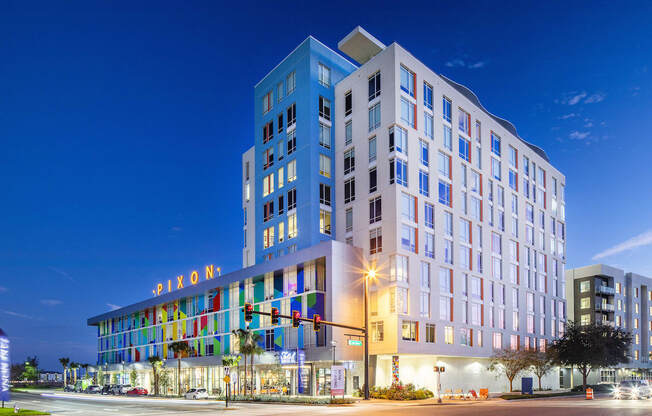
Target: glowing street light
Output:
[{"x": 370, "y": 274}]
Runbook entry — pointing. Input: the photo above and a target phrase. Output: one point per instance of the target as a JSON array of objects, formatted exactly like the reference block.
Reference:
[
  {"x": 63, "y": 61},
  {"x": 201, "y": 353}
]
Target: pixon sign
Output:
[{"x": 5, "y": 367}]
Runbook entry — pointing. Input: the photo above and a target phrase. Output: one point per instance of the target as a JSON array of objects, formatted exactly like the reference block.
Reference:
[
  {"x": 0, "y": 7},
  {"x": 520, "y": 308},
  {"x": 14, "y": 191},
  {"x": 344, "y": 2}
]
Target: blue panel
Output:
[{"x": 300, "y": 277}]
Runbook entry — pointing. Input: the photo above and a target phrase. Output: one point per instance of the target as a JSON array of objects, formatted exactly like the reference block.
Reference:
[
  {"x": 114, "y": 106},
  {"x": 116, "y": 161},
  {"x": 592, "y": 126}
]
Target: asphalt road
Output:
[{"x": 94, "y": 405}]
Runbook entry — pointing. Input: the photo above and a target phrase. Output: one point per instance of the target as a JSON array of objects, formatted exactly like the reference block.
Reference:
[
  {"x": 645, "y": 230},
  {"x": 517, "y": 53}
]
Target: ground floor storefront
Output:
[{"x": 569, "y": 379}]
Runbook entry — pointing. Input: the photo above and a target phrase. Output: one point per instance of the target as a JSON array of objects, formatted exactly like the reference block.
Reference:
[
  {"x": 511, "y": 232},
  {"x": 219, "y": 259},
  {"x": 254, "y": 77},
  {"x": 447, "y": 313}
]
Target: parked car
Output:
[
  {"x": 69, "y": 388},
  {"x": 137, "y": 391},
  {"x": 633, "y": 389},
  {"x": 194, "y": 394},
  {"x": 94, "y": 388},
  {"x": 120, "y": 389},
  {"x": 106, "y": 389}
]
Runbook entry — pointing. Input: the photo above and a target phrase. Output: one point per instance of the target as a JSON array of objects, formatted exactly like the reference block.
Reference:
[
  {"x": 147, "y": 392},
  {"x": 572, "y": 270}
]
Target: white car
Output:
[
  {"x": 120, "y": 389},
  {"x": 194, "y": 394},
  {"x": 633, "y": 389}
]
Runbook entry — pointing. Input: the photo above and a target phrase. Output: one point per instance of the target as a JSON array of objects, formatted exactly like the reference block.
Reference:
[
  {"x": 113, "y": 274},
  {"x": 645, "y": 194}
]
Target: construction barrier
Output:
[{"x": 589, "y": 394}]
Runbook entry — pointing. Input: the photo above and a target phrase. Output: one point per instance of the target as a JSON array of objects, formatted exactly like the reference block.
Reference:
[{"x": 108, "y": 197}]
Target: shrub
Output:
[{"x": 398, "y": 391}]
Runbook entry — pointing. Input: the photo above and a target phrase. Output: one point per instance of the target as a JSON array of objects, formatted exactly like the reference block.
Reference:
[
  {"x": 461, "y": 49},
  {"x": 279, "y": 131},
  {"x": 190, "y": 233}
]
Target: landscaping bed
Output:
[
  {"x": 518, "y": 396},
  {"x": 316, "y": 401},
  {"x": 10, "y": 411}
]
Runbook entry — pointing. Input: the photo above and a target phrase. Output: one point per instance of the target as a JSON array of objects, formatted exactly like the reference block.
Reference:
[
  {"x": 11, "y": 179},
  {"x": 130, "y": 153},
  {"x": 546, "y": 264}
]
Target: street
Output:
[{"x": 94, "y": 405}]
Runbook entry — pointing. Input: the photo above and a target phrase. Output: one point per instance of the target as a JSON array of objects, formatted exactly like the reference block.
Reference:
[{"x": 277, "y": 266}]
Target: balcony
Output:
[
  {"x": 605, "y": 290},
  {"x": 607, "y": 307}
]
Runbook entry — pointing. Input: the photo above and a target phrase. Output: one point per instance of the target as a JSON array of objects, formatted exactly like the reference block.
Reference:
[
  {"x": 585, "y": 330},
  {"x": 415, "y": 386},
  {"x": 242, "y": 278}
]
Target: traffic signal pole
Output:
[{"x": 355, "y": 328}]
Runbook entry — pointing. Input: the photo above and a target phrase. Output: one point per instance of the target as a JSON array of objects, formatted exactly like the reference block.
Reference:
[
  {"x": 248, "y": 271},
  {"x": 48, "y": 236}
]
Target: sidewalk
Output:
[{"x": 124, "y": 398}]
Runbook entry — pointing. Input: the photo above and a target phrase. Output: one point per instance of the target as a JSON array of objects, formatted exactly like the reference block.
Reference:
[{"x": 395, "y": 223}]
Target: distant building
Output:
[
  {"x": 608, "y": 295},
  {"x": 50, "y": 377}
]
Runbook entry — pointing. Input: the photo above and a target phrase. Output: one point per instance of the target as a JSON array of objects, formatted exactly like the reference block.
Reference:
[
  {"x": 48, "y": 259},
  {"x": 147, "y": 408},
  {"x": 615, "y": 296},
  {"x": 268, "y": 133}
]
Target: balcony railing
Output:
[
  {"x": 604, "y": 307},
  {"x": 606, "y": 290}
]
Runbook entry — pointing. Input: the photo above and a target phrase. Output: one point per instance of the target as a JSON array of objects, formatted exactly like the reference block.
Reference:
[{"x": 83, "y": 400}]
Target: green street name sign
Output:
[{"x": 355, "y": 343}]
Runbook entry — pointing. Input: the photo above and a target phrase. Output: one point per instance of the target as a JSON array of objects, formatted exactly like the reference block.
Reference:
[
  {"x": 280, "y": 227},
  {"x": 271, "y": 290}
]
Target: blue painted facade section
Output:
[{"x": 304, "y": 61}]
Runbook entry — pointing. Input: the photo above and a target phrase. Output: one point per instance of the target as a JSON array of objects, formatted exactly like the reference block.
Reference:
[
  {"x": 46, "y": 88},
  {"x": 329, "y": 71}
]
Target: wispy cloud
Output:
[
  {"x": 567, "y": 116},
  {"x": 51, "y": 302},
  {"x": 461, "y": 63},
  {"x": 595, "y": 98},
  {"x": 640, "y": 240},
  {"x": 61, "y": 273},
  {"x": 576, "y": 97},
  {"x": 578, "y": 135},
  {"x": 3, "y": 289},
  {"x": 15, "y": 314},
  {"x": 113, "y": 307},
  {"x": 175, "y": 228}
]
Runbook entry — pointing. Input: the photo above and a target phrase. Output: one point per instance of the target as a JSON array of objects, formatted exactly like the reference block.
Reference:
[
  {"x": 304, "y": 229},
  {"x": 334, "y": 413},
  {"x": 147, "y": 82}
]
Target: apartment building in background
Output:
[
  {"x": 609, "y": 295},
  {"x": 462, "y": 218}
]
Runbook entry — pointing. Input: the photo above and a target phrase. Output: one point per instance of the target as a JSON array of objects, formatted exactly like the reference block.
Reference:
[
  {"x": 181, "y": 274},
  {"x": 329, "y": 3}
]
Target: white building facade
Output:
[{"x": 463, "y": 219}]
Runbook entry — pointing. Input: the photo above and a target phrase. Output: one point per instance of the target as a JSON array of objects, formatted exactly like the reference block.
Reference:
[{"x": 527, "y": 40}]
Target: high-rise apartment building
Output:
[
  {"x": 463, "y": 219},
  {"x": 608, "y": 295}
]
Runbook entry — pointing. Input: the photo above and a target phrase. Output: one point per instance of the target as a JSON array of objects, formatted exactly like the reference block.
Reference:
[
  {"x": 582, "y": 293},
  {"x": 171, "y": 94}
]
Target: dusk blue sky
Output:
[{"x": 122, "y": 128}]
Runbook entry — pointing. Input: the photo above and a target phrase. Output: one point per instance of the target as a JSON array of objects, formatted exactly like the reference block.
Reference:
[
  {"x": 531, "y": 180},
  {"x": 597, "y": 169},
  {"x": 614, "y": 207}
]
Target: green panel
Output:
[
  {"x": 255, "y": 322},
  {"x": 226, "y": 341},
  {"x": 259, "y": 291}
]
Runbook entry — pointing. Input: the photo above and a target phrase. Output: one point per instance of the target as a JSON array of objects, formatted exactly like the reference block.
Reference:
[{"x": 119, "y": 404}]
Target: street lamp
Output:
[
  {"x": 371, "y": 274},
  {"x": 123, "y": 372}
]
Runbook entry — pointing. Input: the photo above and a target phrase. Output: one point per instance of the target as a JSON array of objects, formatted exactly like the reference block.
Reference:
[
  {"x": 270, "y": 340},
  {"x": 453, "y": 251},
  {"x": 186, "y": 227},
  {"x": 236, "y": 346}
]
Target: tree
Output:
[
  {"x": 74, "y": 366},
  {"x": 592, "y": 346},
  {"x": 85, "y": 367},
  {"x": 540, "y": 362},
  {"x": 156, "y": 363},
  {"x": 31, "y": 372},
  {"x": 248, "y": 340},
  {"x": 179, "y": 348},
  {"x": 16, "y": 371},
  {"x": 133, "y": 377},
  {"x": 64, "y": 363},
  {"x": 164, "y": 379},
  {"x": 510, "y": 363}
]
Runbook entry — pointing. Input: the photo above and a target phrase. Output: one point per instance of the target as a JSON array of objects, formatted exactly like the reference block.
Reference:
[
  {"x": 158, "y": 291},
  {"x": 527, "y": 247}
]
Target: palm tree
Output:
[
  {"x": 85, "y": 367},
  {"x": 64, "y": 363},
  {"x": 179, "y": 348},
  {"x": 156, "y": 362},
  {"x": 74, "y": 366},
  {"x": 248, "y": 346}
]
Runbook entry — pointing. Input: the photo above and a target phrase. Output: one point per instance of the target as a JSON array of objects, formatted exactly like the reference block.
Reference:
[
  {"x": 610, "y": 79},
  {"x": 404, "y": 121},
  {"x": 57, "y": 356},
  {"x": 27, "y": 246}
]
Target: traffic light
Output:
[
  {"x": 316, "y": 322},
  {"x": 248, "y": 312},
  {"x": 295, "y": 319},
  {"x": 274, "y": 316}
]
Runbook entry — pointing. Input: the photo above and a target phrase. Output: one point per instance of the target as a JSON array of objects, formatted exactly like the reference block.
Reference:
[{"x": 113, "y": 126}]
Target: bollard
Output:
[{"x": 589, "y": 394}]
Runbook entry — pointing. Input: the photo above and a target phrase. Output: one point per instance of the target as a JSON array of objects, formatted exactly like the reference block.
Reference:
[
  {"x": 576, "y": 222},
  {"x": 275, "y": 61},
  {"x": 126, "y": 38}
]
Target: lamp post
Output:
[
  {"x": 123, "y": 372},
  {"x": 371, "y": 274}
]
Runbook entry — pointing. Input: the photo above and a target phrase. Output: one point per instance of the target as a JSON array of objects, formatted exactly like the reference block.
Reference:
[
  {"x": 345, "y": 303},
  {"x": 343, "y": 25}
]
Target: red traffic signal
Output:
[
  {"x": 274, "y": 316},
  {"x": 316, "y": 322},
  {"x": 296, "y": 319},
  {"x": 248, "y": 312}
]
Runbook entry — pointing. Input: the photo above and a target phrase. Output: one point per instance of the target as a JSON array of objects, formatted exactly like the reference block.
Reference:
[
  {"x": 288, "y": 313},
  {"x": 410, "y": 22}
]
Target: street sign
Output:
[
  {"x": 337, "y": 380},
  {"x": 5, "y": 368},
  {"x": 355, "y": 342},
  {"x": 227, "y": 379},
  {"x": 439, "y": 369}
]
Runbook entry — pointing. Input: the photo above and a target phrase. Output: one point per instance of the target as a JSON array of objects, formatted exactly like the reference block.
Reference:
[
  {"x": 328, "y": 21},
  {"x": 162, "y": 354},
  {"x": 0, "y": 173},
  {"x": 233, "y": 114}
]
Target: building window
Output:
[
  {"x": 424, "y": 184},
  {"x": 268, "y": 211},
  {"x": 280, "y": 205},
  {"x": 408, "y": 112},
  {"x": 428, "y": 125},
  {"x": 408, "y": 207},
  {"x": 409, "y": 330},
  {"x": 292, "y": 226},
  {"x": 280, "y": 123},
  {"x": 375, "y": 210},
  {"x": 292, "y": 115},
  {"x": 465, "y": 149},
  {"x": 407, "y": 80},
  {"x": 398, "y": 172},
  {"x": 374, "y": 86},
  {"x": 448, "y": 335},
  {"x": 292, "y": 171},
  {"x": 427, "y": 95},
  {"x": 373, "y": 180},
  {"x": 280, "y": 92},
  {"x": 348, "y": 133},
  {"x": 325, "y": 166},
  {"x": 398, "y": 140},
  {"x": 324, "y": 75},
  {"x": 444, "y": 165},
  {"x": 372, "y": 149},
  {"x": 445, "y": 193},
  {"x": 268, "y": 184},
  {"x": 349, "y": 161},
  {"x": 268, "y": 237},
  {"x": 495, "y": 144},
  {"x": 375, "y": 241},
  {"x": 324, "y": 194},
  {"x": 324, "y": 108},
  {"x": 585, "y": 319},
  {"x": 268, "y": 132},
  {"x": 429, "y": 246},
  {"x": 348, "y": 103},
  {"x": 448, "y": 138},
  {"x": 268, "y": 158},
  {"x": 585, "y": 286},
  {"x": 464, "y": 122},
  {"x": 446, "y": 109},
  {"x": 424, "y": 152},
  {"x": 324, "y": 135},
  {"x": 429, "y": 215},
  {"x": 398, "y": 268},
  {"x": 430, "y": 333},
  {"x": 324, "y": 222},
  {"x": 495, "y": 168},
  {"x": 268, "y": 102},
  {"x": 292, "y": 199},
  {"x": 349, "y": 190},
  {"x": 374, "y": 117},
  {"x": 291, "y": 82},
  {"x": 398, "y": 300},
  {"x": 377, "y": 331},
  {"x": 292, "y": 142},
  {"x": 348, "y": 220},
  {"x": 408, "y": 238}
]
